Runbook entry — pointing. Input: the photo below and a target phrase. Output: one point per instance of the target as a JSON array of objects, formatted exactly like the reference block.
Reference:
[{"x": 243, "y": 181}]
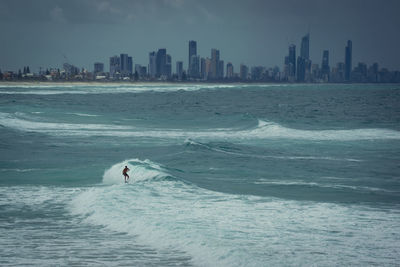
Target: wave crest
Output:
[
  {"x": 140, "y": 170},
  {"x": 264, "y": 130}
]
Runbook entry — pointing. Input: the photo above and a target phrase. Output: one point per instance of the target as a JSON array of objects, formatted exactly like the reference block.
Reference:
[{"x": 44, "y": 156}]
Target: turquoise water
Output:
[{"x": 221, "y": 175}]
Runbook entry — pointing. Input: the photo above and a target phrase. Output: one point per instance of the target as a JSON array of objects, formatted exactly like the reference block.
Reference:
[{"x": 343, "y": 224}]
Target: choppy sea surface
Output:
[{"x": 220, "y": 175}]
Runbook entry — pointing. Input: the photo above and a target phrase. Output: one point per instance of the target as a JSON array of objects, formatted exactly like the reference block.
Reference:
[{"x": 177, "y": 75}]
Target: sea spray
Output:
[
  {"x": 217, "y": 229},
  {"x": 140, "y": 170}
]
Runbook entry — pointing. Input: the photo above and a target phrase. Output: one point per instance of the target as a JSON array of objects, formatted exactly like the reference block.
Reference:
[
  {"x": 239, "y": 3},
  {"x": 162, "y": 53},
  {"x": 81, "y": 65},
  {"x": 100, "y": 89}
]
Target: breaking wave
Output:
[
  {"x": 219, "y": 229},
  {"x": 264, "y": 130}
]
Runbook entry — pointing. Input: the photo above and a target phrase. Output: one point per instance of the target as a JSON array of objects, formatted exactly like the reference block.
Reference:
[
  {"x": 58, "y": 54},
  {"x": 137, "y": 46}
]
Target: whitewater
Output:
[{"x": 220, "y": 175}]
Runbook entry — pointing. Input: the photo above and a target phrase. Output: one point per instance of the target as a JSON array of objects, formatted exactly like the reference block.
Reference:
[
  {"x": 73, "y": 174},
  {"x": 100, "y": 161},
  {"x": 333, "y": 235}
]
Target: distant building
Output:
[
  {"x": 373, "y": 73},
  {"x": 140, "y": 70},
  {"x": 305, "y": 47},
  {"x": 348, "y": 60},
  {"x": 130, "y": 65},
  {"x": 229, "y": 70},
  {"x": 301, "y": 69},
  {"x": 208, "y": 67},
  {"x": 137, "y": 68},
  {"x": 214, "y": 63},
  {"x": 203, "y": 68},
  {"x": 168, "y": 67},
  {"x": 161, "y": 62},
  {"x": 179, "y": 69},
  {"x": 98, "y": 67},
  {"x": 220, "y": 69},
  {"x": 257, "y": 73},
  {"x": 126, "y": 65},
  {"x": 303, "y": 61},
  {"x": 359, "y": 73},
  {"x": 194, "y": 68},
  {"x": 143, "y": 71},
  {"x": 337, "y": 73},
  {"x": 292, "y": 61},
  {"x": 70, "y": 70},
  {"x": 315, "y": 72},
  {"x": 115, "y": 66},
  {"x": 192, "y": 52},
  {"x": 325, "y": 69},
  {"x": 244, "y": 72},
  {"x": 152, "y": 64}
]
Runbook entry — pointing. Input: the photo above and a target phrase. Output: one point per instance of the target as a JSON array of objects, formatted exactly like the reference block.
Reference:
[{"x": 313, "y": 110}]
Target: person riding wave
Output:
[{"x": 125, "y": 173}]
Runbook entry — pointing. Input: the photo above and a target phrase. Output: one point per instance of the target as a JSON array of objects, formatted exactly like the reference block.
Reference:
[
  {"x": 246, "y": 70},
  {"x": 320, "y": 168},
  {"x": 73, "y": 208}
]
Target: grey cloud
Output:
[{"x": 255, "y": 32}]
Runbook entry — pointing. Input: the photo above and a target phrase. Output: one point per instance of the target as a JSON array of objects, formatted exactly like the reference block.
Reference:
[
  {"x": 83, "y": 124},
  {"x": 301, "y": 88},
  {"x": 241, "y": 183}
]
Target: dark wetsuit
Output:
[{"x": 124, "y": 172}]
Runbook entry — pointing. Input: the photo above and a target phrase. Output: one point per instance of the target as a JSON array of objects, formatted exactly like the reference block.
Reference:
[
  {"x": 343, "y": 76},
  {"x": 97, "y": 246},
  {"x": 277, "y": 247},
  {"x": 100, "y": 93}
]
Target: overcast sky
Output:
[{"x": 46, "y": 33}]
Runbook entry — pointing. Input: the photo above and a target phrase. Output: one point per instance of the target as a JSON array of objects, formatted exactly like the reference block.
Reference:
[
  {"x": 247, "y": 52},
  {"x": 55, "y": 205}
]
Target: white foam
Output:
[
  {"x": 274, "y": 130},
  {"x": 140, "y": 170},
  {"x": 51, "y": 89},
  {"x": 323, "y": 185},
  {"x": 14, "y": 122},
  {"x": 218, "y": 229},
  {"x": 264, "y": 131},
  {"x": 19, "y": 170},
  {"x": 191, "y": 142},
  {"x": 83, "y": 114}
]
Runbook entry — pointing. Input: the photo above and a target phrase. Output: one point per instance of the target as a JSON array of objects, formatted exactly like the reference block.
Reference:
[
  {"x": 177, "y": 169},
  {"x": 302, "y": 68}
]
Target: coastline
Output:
[{"x": 155, "y": 83}]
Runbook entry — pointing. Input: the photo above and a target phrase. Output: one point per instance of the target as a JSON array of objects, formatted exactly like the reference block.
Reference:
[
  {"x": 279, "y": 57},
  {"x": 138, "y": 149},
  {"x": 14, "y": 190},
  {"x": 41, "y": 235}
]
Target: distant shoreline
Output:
[{"x": 166, "y": 83}]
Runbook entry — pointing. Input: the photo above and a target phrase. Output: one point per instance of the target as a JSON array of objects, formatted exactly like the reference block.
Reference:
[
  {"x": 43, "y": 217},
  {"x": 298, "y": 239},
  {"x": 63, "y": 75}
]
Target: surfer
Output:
[{"x": 125, "y": 173}]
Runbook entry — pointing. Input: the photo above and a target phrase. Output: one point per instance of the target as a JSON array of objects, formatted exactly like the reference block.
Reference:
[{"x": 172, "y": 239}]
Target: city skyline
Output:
[
  {"x": 255, "y": 33},
  {"x": 301, "y": 69}
]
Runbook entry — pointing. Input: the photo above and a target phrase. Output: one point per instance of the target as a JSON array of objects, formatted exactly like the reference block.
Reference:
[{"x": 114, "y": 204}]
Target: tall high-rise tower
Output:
[
  {"x": 179, "y": 69},
  {"x": 115, "y": 65},
  {"x": 303, "y": 61},
  {"x": 292, "y": 60},
  {"x": 305, "y": 47},
  {"x": 214, "y": 63},
  {"x": 152, "y": 64},
  {"x": 325, "y": 69},
  {"x": 192, "y": 52},
  {"x": 229, "y": 70},
  {"x": 130, "y": 65},
  {"x": 124, "y": 64},
  {"x": 161, "y": 62},
  {"x": 194, "y": 68},
  {"x": 348, "y": 60}
]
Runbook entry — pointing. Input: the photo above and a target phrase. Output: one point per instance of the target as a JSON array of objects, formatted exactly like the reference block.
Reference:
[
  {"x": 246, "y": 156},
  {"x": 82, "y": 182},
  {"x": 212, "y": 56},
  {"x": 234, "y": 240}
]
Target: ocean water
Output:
[{"x": 220, "y": 175}]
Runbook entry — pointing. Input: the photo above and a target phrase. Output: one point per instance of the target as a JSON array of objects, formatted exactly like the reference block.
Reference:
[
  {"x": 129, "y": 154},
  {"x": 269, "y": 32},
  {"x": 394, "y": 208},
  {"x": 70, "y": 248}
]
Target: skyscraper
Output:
[
  {"x": 220, "y": 69},
  {"x": 303, "y": 61},
  {"x": 192, "y": 52},
  {"x": 98, "y": 67},
  {"x": 244, "y": 71},
  {"x": 214, "y": 63},
  {"x": 325, "y": 69},
  {"x": 203, "y": 68},
  {"x": 194, "y": 66},
  {"x": 305, "y": 47},
  {"x": 152, "y": 64},
  {"x": 161, "y": 61},
  {"x": 130, "y": 65},
  {"x": 348, "y": 61},
  {"x": 207, "y": 68},
  {"x": 115, "y": 65},
  {"x": 179, "y": 69},
  {"x": 168, "y": 66},
  {"x": 229, "y": 70},
  {"x": 291, "y": 63},
  {"x": 301, "y": 69},
  {"x": 126, "y": 64}
]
